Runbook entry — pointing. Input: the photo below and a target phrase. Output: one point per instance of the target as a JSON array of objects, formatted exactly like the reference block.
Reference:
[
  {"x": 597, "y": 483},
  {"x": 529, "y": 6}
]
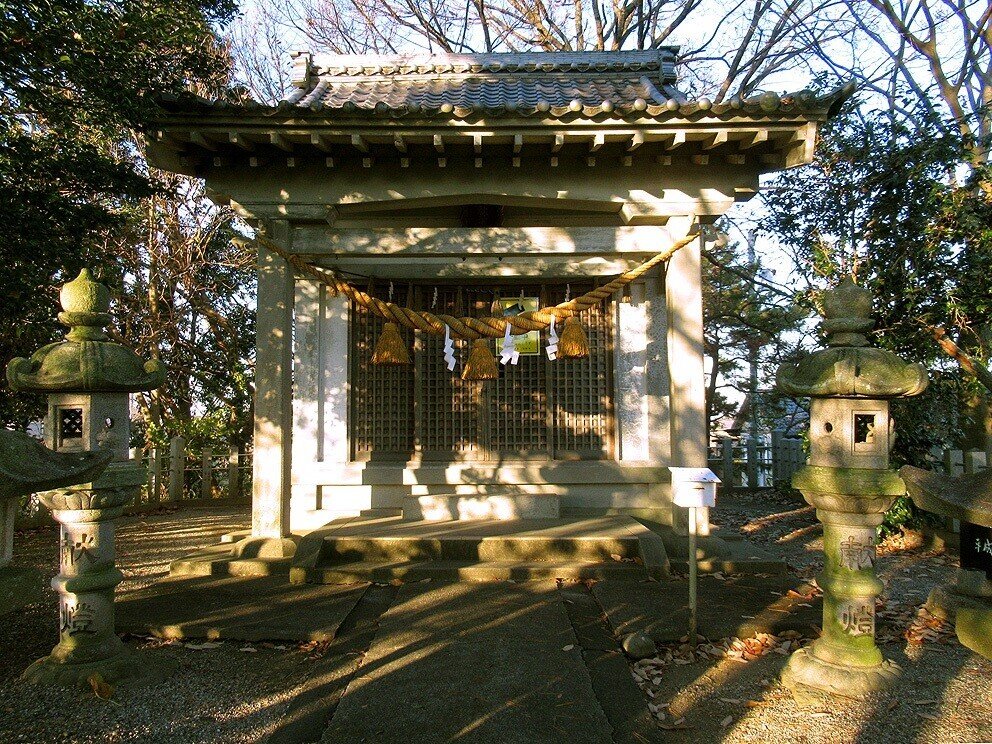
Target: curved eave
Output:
[
  {"x": 769, "y": 105},
  {"x": 193, "y": 135}
]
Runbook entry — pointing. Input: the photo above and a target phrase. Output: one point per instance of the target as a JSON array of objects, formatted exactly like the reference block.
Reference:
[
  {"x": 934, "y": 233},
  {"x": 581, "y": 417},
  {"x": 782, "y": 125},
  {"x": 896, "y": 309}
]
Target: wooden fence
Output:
[
  {"x": 770, "y": 461},
  {"x": 958, "y": 462},
  {"x": 175, "y": 476}
]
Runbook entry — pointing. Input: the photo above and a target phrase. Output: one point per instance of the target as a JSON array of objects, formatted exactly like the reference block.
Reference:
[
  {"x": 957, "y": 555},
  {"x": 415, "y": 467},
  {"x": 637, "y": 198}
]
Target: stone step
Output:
[
  {"x": 526, "y": 548},
  {"x": 463, "y": 507},
  {"x": 387, "y": 548},
  {"x": 446, "y": 570},
  {"x": 218, "y": 560}
]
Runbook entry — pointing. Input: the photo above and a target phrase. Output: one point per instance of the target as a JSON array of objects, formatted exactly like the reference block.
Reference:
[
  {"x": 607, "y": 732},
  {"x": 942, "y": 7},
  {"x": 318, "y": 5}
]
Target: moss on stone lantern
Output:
[
  {"x": 88, "y": 379},
  {"x": 849, "y": 482}
]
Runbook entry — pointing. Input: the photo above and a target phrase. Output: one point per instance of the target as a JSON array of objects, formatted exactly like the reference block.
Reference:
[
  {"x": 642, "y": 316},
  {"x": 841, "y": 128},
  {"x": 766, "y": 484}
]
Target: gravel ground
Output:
[
  {"x": 219, "y": 694},
  {"x": 224, "y": 694}
]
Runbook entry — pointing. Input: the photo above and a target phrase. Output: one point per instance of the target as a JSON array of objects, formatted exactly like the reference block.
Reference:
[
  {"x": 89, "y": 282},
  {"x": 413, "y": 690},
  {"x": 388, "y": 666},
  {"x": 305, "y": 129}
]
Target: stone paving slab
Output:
[
  {"x": 248, "y": 609},
  {"x": 492, "y": 613},
  {"x": 739, "y": 607},
  {"x": 472, "y": 663}
]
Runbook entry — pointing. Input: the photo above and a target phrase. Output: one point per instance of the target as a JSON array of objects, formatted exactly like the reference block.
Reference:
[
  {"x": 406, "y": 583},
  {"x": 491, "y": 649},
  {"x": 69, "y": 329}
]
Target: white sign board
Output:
[{"x": 694, "y": 487}]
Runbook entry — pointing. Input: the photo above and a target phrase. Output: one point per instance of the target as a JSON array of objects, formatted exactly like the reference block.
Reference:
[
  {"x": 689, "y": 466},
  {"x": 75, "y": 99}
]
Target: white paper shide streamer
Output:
[
  {"x": 509, "y": 353},
  {"x": 449, "y": 349},
  {"x": 552, "y": 347}
]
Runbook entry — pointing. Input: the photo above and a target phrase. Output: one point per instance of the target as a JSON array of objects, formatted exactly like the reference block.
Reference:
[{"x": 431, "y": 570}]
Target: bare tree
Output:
[
  {"x": 931, "y": 59},
  {"x": 186, "y": 298},
  {"x": 259, "y": 55},
  {"x": 726, "y": 50}
]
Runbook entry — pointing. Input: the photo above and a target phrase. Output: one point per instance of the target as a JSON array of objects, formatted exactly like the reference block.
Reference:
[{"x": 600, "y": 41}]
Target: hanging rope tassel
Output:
[
  {"x": 390, "y": 348},
  {"x": 481, "y": 364},
  {"x": 573, "y": 344}
]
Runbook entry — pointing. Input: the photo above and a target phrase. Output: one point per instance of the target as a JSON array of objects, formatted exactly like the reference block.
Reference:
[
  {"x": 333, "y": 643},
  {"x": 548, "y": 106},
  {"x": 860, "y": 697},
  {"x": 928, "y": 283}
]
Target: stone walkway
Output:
[
  {"x": 473, "y": 662},
  {"x": 467, "y": 662}
]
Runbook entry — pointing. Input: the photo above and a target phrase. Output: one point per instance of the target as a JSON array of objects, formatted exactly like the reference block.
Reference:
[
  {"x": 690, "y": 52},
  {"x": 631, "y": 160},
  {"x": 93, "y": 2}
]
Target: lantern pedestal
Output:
[
  {"x": 87, "y": 578},
  {"x": 845, "y": 661}
]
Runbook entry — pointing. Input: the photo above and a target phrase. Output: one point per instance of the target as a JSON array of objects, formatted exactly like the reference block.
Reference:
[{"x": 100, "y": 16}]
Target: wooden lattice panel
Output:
[
  {"x": 582, "y": 390},
  {"x": 518, "y": 406},
  {"x": 449, "y": 420},
  {"x": 536, "y": 409},
  {"x": 381, "y": 396}
]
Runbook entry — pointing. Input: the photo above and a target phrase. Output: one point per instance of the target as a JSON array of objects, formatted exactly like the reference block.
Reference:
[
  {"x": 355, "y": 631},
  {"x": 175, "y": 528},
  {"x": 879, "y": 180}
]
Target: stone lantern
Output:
[
  {"x": 848, "y": 481},
  {"x": 88, "y": 380}
]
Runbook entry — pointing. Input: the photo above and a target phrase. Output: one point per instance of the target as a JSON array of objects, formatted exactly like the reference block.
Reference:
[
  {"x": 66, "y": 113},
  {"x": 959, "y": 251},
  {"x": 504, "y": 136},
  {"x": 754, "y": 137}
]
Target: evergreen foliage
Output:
[
  {"x": 886, "y": 203},
  {"x": 77, "y": 80}
]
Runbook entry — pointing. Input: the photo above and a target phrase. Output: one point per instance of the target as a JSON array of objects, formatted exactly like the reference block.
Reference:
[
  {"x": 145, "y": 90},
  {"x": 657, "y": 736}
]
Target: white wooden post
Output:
[{"x": 272, "y": 467}]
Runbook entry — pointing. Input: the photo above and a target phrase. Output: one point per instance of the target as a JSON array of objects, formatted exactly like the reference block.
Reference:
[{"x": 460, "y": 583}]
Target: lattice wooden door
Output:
[{"x": 537, "y": 409}]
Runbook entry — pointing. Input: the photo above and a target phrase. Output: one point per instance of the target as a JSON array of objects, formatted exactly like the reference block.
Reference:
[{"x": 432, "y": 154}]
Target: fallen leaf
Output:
[
  {"x": 202, "y": 646},
  {"x": 569, "y": 647},
  {"x": 100, "y": 688}
]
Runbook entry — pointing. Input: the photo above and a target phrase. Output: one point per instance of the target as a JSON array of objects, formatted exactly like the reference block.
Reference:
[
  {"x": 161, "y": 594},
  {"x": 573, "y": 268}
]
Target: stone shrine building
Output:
[{"x": 468, "y": 184}]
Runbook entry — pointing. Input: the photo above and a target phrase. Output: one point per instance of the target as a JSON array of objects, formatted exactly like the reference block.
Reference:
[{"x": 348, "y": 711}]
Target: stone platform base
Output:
[
  {"x": 248, "y": 556},
  {"x": 457, "y": 507},
  {"x": 973, "y": 626},
  {"x": 944, "y": 602},
  {"x": 812, "y": 680},
  {"x": 358, "y": 549},
  {"x": 730, "y": 554},
  {"x": 128, "y": 666}
]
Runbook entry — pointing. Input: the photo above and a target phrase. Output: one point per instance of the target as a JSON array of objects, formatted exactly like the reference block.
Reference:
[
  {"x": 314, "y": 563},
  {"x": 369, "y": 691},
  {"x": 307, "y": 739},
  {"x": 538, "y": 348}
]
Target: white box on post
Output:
[{"x": 693, "y": 488}]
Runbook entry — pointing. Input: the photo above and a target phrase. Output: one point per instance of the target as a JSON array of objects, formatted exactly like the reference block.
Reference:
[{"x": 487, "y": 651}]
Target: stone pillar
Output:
[
  {"x": 272, "y": 463},
  {"x": 8, "y": 513},
  {"x": 684, "y": 302},
  {"x": 630, "y": 378},
  {"x": 177, "y": 469}
]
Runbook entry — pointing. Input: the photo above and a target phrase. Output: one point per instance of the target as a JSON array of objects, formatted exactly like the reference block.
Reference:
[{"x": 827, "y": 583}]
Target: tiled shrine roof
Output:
[
  {"x": 629, "y": 85},
  {"x": 557, "y": 85}
]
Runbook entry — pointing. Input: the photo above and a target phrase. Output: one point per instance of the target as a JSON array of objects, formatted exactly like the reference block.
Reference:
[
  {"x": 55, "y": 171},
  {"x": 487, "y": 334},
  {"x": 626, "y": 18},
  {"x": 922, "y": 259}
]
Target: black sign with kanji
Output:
[{"x": 976, "y": 548}]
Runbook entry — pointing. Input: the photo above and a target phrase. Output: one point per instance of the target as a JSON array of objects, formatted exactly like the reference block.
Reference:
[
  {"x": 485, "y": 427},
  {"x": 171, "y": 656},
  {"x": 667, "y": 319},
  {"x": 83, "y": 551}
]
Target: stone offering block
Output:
[{"x": 976, "y": 548}]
